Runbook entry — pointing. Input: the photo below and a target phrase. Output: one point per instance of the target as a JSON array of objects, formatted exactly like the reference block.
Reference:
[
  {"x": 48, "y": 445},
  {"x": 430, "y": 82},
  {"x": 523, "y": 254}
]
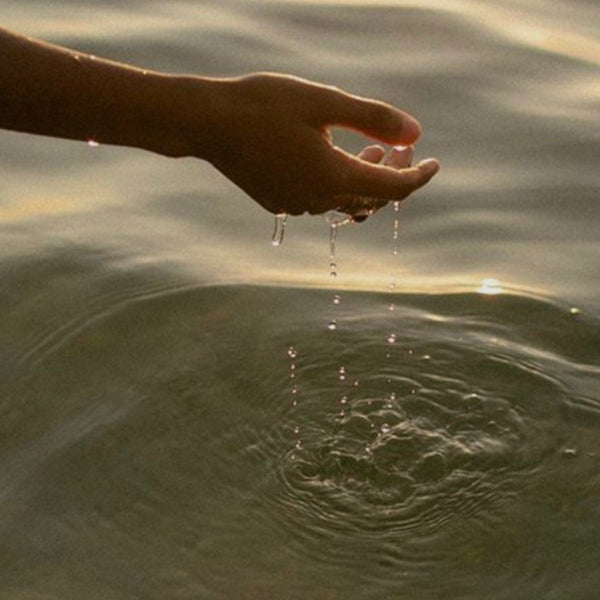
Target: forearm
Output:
[{"x": 49, "y": 90}]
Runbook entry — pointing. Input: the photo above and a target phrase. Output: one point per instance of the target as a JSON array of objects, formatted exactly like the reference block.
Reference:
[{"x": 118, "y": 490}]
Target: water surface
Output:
[{"x": 153, "y": 443}]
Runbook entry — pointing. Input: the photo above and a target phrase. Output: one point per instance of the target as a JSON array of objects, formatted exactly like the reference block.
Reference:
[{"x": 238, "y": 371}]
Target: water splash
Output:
[{"x": 279, "y": 229}]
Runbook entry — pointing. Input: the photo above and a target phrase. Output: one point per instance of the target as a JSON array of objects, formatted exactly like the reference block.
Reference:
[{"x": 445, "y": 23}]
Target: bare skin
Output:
[{"x": 268, "y": 133}]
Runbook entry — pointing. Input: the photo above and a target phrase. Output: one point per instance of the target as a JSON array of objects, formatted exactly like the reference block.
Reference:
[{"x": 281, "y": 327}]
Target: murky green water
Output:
[{"x": 157, "y": 437}]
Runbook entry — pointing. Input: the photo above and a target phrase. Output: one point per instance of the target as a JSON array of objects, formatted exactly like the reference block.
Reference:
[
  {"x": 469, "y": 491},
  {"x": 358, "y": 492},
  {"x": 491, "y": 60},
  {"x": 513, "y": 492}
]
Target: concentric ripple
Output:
[
  {"x": 402, "y": 451},
  {"x": 437, "y": 431}
]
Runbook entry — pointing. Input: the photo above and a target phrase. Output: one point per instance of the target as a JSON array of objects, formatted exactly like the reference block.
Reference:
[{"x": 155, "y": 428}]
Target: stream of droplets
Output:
[
  {"x": 393, "y": 336},
  {"x": 336, "y": 220}
]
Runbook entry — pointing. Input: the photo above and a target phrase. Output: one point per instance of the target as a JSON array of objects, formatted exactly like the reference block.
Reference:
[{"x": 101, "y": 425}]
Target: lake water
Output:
[{"x": 177, "y": 418}]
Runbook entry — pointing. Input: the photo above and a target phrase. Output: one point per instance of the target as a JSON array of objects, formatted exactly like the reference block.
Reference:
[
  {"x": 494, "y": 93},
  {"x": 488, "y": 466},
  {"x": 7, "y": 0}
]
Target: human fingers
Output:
[
  {"x": 373, "y": 118},
  {"x": 380, "y": 184},
  {"x": 388, "y": 183},
  {"x": 400, "y": 157},
  {"x": 372, "y": 154}
]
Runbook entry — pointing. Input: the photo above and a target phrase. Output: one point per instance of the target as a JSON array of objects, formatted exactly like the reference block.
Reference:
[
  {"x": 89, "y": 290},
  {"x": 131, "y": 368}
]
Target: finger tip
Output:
[
  {"x": 431, "y": 165},
  {"x": 411, "y": 131}
]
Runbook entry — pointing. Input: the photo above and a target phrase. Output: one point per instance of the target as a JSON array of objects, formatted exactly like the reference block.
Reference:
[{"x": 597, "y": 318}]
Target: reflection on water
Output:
[{"x": 176, "y": 433}]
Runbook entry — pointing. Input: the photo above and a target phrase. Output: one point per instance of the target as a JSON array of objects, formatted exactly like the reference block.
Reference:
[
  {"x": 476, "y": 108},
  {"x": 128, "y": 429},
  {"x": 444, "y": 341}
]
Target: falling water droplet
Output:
[
  {"x": 92, "y": 143},
  {"x": 336, "y": 299},
  {"x": 292, "y": 352},
  {"x": 332, "y": 325},
  {"x": 392, "y": 338},
  {"x": 343, "y": 399},
  {"x": 385, "y": 428},
  {"x": 342, "y": 374},
  {"x": 279, "y": 229},
  {"x": 332, "y": 260}
]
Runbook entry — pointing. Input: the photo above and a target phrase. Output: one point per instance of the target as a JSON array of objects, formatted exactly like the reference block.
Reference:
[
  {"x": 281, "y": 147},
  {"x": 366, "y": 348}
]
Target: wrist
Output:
[{"x": 185, "y": 116}]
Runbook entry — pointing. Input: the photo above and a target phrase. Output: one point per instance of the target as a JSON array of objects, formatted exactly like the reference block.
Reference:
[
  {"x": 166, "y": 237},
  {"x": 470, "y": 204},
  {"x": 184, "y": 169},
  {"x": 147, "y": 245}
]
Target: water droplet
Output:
[
  {"x": 392, "y": 338},
  {"x": 385, "y": 428},
  {"x": 92, "y": 143},
  {"x": 575, "y": 311},
  {"x": 295, "y": 390},
  {"x": 332, "y": 261},
  {"x": 396, "y": 205},
  {"x": 292, "y": 352},
  {"x": 337, "y": 299},
  {"x": 426, "y": 357},
  {"x": 342, "y": 374},
  {"x": 356, "y": 383},
  {"x": 392, "y": 306},
  {"x": 298, "y": 445},
  {"x": 332, "y": 325},
  {"x": 296, "y": 429},
  {"x": 343, "y": 399},
  {"x": 393, "y": 396},
  {"x": 279, "y": 229}
]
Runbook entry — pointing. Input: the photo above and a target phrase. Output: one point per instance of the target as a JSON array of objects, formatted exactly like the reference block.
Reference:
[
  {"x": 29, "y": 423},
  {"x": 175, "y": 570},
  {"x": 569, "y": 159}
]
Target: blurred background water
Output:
[{"x": 177, "y": 419}]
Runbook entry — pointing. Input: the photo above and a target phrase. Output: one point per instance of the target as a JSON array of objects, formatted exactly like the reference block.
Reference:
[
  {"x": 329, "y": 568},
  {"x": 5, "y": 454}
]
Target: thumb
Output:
[{"x": 373, "y": 118}]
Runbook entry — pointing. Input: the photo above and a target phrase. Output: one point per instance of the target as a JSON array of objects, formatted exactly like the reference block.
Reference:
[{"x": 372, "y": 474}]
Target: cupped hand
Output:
[{"x": 275, "y": 144}]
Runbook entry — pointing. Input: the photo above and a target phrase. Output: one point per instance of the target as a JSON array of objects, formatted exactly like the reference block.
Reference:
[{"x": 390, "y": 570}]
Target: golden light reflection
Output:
[
  {"x": 31, "y": 208},
  {"x": 490, "y": 287}
]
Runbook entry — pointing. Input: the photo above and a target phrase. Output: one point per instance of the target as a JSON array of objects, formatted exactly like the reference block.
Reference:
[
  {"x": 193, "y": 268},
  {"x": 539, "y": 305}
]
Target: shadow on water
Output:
[{"x": 154, "y": 440}]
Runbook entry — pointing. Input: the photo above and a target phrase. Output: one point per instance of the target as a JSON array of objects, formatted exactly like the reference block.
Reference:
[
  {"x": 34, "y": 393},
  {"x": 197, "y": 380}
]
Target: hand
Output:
[{"x": 273, "y": 141}]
